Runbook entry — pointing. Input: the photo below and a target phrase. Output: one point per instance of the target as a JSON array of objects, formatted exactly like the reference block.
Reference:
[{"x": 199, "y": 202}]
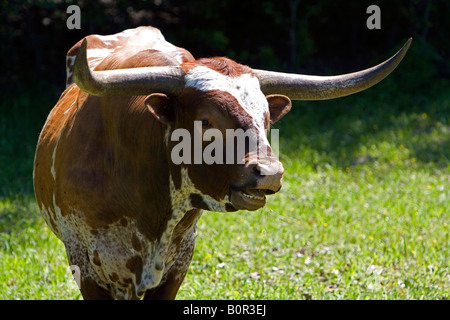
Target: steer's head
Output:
[
  {"x": 219, "y": 125},
  {"x": 218, "y": 114}
]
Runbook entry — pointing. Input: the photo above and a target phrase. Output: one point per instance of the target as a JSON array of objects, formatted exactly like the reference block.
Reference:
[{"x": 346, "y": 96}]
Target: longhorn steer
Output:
[{"x": 103, "y": 174}]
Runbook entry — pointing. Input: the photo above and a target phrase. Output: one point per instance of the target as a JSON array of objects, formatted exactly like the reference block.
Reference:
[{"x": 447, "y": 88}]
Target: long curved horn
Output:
[
  {"x": 305, "y": 87},
  {"x": 126, "y": 82}
]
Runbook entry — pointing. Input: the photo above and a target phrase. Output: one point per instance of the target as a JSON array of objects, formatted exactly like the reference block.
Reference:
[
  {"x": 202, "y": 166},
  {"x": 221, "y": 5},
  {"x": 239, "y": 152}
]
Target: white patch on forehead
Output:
[{"x": 245, "y": 89}]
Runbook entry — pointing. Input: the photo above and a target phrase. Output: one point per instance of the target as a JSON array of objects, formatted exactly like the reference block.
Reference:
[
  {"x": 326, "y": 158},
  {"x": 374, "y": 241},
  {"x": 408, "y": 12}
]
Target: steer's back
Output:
[
  {"x": 131, "y": 40},
  {"x": 45, "y": 164}
]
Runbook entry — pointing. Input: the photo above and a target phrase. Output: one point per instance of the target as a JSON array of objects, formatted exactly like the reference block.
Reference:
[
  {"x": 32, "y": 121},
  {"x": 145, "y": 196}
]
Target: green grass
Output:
[{"x": 363, "y": 212}]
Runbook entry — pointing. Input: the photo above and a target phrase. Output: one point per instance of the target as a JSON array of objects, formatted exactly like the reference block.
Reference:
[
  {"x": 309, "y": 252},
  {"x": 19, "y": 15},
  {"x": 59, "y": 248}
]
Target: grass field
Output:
[{"x": 364, "y": 212}]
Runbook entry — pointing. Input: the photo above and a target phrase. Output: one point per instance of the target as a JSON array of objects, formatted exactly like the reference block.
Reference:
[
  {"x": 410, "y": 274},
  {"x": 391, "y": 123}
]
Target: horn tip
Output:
[
  {"x": 82, "y": 54},
  {"x": 84, "y": 43},
  {"x": 407, "y": 44}
]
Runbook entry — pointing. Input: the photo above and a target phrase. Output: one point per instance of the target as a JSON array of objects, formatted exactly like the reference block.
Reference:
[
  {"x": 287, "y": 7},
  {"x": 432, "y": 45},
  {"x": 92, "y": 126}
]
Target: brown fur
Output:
[
  {"x": 222, "y": 65},
  {"x": 105, "y": 184}
]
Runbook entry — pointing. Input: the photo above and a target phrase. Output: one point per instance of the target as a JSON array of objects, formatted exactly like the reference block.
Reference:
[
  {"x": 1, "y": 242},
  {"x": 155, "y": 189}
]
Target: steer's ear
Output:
[
  {"x": 279, "y": 105},
  {"x": 161, "y": 107}
]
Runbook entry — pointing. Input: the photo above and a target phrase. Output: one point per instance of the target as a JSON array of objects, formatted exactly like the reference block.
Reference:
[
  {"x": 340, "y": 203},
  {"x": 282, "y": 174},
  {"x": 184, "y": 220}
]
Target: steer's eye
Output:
[{"x": 205, "y": 122}]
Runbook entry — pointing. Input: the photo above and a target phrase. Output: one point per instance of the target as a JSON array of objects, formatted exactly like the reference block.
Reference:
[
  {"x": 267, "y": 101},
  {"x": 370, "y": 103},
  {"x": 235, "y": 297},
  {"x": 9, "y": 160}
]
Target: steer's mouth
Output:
[{"x": 249, "y": 199}]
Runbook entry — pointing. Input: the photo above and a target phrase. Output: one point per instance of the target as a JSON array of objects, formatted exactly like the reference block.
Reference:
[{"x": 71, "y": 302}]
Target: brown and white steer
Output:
[{"x": 104, "y": 178}]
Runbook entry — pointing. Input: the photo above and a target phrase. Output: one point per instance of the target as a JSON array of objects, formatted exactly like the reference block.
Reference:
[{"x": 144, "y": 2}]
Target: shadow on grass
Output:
[
  {"x": 359, "y": 129},
  {"x": 22, "y": 116}
]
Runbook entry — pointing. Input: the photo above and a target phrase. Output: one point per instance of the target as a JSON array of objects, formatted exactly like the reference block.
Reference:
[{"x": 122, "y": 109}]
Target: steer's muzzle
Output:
[{"x": 258, "y": 179}]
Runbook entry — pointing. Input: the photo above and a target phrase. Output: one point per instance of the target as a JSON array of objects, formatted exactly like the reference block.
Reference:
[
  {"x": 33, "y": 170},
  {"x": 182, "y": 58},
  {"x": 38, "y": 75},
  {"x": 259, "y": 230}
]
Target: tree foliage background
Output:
[{"x": 304, "y": 36}]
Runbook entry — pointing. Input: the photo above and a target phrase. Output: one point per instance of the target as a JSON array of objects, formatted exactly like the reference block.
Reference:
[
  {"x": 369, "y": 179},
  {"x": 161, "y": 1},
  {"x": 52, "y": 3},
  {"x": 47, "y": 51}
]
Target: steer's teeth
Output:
[
  {"x": 252, "y": 197},
  {"x": 249, "y": 196}
]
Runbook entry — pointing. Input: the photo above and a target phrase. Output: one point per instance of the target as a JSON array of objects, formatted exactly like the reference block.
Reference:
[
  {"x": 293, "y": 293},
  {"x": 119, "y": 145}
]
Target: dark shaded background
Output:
[{"x": 315, "y": 37}]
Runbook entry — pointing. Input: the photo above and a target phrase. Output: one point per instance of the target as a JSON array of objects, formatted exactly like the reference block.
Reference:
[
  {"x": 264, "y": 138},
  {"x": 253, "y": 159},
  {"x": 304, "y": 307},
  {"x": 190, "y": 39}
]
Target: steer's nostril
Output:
[
  {"x": 261, "y": 170},
  {"x": 257, "y": 170}
]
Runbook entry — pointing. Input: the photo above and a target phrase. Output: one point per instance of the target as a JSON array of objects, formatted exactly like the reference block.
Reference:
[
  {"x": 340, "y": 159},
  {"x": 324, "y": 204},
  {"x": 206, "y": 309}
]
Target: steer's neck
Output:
[{"x": 141, "y": 169}]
